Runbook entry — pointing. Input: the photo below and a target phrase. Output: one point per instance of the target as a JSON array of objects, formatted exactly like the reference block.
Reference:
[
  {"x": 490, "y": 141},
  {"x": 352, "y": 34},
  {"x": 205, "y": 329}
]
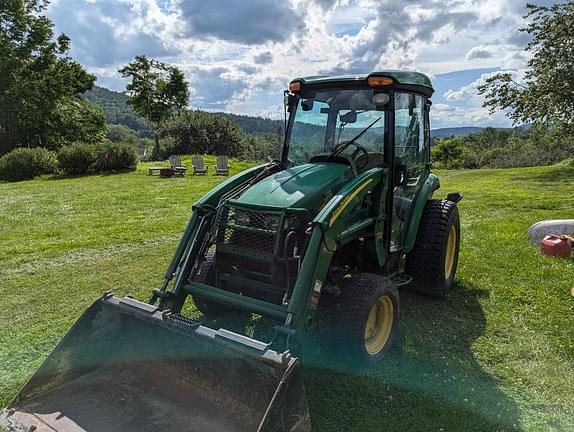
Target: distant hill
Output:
[
  {"x": 255, "y": 125},
  {"x": 469, "y": 130},
  {"x": 456, "y": 131},
  {"x": 117, "y": 109}
]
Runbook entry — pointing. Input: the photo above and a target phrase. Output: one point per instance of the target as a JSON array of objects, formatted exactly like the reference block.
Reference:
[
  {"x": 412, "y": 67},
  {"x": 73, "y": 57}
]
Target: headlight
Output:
[{"x": 241, "y": 218}]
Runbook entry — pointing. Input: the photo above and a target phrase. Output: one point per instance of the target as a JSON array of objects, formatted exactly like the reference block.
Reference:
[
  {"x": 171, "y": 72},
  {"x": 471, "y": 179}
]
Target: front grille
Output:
[{"x": 246, "y": 229}]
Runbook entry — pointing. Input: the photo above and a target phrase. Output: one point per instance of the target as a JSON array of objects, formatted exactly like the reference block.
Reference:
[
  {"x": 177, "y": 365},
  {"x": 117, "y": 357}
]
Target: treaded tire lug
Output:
[
  {"x": 350, "y": 314},
  {"x": 426, "y": 263}
]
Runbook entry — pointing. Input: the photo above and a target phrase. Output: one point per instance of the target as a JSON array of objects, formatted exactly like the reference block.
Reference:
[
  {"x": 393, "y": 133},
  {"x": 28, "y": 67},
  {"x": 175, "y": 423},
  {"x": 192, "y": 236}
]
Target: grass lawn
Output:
[{"x": 497, "y": 354}]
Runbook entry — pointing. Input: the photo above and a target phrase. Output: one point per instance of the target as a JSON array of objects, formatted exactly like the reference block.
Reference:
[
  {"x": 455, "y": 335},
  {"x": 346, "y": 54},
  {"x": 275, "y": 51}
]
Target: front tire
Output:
[
  {"x": 364, "y": 320},
  {"x": 434, "y": 259}
]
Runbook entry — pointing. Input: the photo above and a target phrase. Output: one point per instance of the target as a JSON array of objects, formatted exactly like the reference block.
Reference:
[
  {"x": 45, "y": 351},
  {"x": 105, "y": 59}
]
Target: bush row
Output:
[
  {"x": 27, "y": 163},
  {"x": 503, "y": 148},
  {"x": 79, "y": 158},
  {"x": 82, "y": 158}
]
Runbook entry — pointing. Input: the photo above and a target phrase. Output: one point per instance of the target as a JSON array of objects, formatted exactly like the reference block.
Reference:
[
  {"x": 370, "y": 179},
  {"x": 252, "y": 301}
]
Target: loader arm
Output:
[
  {"x": 185, "y": 256},
  {"x": 331, "y": 229}
]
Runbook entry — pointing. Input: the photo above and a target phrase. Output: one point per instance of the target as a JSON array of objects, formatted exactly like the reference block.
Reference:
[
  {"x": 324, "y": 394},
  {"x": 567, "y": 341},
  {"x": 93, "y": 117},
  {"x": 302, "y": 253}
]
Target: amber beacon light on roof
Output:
[{"x": 380, "y": 81}]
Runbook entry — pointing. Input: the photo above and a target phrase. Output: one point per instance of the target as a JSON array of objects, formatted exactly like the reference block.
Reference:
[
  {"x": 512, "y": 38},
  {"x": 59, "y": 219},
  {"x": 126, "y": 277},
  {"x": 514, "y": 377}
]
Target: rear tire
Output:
[
  {"x": 206, "y": 275},
  {"x": 434, "y": 259},
  {"x": 364, "y": 319}
]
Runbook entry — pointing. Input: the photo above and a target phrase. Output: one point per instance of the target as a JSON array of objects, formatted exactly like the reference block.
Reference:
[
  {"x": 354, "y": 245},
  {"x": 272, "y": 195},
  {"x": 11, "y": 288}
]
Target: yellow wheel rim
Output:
[
  {"x": 450, "y": 252},
  {"x": 379, "y": 325}
]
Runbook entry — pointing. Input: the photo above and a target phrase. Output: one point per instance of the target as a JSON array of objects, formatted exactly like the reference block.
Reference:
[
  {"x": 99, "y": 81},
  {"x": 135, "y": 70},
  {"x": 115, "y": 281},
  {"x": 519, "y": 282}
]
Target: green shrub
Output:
[
  {"x": 77, "y": 158},
  {"x": 116, "y": 157},
  {"x": 449, "y": 153},
  {"x": 566, "y": 163},
  {"x": 26, "y": 163},
  {"x": 80, "y": 158}
]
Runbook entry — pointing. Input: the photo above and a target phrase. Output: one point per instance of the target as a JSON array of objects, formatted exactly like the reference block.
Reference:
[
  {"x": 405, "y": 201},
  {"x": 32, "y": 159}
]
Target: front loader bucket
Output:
[{"x": 125, "y": 366}]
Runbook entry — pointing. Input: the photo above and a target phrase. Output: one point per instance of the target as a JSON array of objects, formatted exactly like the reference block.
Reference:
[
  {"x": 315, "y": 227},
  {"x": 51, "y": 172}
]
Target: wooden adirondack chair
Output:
[
  {"x": 176, "y": 166},
  {"x": 198, "y": 166},
  {"x": 222, "y": 166}
]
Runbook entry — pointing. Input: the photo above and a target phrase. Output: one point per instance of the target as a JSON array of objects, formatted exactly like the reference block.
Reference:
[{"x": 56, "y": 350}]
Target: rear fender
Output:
[{"x": 426, "y": 192}]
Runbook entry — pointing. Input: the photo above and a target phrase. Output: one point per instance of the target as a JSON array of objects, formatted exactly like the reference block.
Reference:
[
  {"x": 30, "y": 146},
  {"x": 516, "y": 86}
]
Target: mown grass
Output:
[{"x": 497, "y": 354}]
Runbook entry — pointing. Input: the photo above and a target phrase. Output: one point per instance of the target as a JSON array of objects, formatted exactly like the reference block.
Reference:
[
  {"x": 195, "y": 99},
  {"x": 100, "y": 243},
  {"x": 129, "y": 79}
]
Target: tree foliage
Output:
[
  {"x": 503, "y": 148},
  {"x": 36, "y": 76},
  {"x": 118, "y": 110},
  {"x": 203, "y": 133},
  {"x": 123, "y": 134},
  {"x": 76, "y": 120},
  {"x": 264, "y": 147},
  {"x": 255, "y": 125},
  {"x": 449, "y": 152},
  {"x": 547, "y": 94},
  {"x": 156, "y": 90},
  {"x": 26, "y": 163}
]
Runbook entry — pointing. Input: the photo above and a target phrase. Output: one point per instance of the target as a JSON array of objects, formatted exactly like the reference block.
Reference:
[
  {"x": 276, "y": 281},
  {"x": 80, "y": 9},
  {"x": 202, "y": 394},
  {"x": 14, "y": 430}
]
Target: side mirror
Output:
[
  {"x": 307, "y": 104},
  {"x": 350, "y": 117}
]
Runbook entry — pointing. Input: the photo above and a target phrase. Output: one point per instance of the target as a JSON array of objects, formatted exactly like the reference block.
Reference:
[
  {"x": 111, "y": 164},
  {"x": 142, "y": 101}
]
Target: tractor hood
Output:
[{"x": 304, "y": 186}]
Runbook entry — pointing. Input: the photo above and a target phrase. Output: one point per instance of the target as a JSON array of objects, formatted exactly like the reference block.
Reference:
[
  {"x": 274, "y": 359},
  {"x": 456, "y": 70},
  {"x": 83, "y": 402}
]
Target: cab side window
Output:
[
  {"x": 411, "y": 133},
  {"x": 411, "y": 156}
]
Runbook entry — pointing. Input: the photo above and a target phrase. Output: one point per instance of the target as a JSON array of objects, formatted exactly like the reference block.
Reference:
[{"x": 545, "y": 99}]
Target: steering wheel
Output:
[{"x": 359, "y": 151}]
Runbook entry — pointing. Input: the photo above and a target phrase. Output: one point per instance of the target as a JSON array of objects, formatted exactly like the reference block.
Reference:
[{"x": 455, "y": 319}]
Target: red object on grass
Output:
[{"x": 555, "y": 245}]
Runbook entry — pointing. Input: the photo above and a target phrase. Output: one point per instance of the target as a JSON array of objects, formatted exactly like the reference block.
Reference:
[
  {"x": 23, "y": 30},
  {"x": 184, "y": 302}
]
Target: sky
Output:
[{"x": 239, "y": 55}]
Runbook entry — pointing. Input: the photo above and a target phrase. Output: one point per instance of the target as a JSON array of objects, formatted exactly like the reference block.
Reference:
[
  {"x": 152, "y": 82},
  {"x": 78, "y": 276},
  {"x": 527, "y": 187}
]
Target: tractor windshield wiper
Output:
[{"x": 340, "y": 149}]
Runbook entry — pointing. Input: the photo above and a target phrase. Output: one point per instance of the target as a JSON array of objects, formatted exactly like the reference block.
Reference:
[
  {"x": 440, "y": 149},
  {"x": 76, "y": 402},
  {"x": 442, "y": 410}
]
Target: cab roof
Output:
[{"x": 415, "y": 81}]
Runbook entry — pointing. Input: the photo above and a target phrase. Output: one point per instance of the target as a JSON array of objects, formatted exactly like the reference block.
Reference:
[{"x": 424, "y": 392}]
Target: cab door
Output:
[{"x": 412, "y": 155}]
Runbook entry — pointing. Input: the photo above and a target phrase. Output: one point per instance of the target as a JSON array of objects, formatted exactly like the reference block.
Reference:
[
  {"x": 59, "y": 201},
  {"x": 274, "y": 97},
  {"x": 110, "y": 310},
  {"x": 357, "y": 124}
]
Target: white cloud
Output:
[
  {"x": 253, "y": 22},
  {"x": 470, "y": 91},
  {"x": 239, "y": 55},
  {"x": 479, "y": 52},
  {"x": 465, "y": 105},
  {"x": 443, "y": 108}
]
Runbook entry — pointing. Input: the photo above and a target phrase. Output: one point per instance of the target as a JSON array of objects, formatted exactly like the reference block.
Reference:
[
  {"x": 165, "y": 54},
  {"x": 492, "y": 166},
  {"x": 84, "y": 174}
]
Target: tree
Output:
[
  {"x": 202, "y": 132},
  {"x": 547, "y": 94},
  {"x": 36, "y": 76},
  {"x": 76, "y": 120},
  {"x": 449, "y": 152},
  {"x": 157, "y": 90}
]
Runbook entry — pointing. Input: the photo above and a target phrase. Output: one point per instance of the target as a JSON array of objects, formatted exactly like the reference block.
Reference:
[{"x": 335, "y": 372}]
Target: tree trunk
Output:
[{"x": 156, "y": 149}]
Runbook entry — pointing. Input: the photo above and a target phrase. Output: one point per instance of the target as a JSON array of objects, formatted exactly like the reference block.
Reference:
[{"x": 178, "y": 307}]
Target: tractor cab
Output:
[{"x": 365, "y": 122}]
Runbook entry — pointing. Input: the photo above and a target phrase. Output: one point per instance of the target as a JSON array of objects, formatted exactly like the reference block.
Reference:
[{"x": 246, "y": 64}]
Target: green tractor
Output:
[{"x": 317, "y": 241}]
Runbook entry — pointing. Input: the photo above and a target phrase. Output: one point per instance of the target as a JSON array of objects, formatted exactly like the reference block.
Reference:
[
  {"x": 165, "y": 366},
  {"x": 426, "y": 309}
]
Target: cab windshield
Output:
[{"x": 327, "y": 119}]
